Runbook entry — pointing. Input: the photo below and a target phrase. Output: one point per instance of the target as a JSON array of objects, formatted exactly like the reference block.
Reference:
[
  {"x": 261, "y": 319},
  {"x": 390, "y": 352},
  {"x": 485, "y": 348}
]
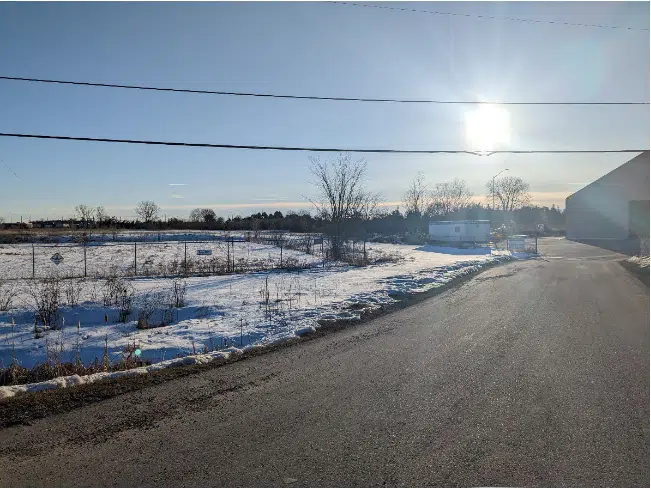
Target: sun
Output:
[{"x": 487, "y": 128}]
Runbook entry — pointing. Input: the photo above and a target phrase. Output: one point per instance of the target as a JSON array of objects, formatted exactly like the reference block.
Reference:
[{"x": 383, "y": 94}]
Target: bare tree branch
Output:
[
  {"x": 203, "y": 215},
  {"x": 416, "y": 196},
  {"x": 341, "y": 193},
  {"x": 84, "y": 213},
  {"x": 511, "y": 193},
  {"x": 100, "y": 214},
  {"x": 340, "y": 187},
  {"x": 449, "y": 197},
  {"x": 147, "y": 210}
]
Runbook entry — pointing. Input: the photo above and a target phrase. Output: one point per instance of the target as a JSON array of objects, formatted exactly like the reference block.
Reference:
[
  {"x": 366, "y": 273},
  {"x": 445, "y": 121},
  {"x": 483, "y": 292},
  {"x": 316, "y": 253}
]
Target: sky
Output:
[{"x": 305, "y": 48}]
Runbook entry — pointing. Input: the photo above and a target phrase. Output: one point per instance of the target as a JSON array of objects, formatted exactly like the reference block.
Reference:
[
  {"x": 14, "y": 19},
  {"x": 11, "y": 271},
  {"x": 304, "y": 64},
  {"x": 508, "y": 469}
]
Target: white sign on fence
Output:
[
  {"x": 204, "y": 252},
  {"x": 57, "y": 258},
  {"x": 516, "y": 243}
]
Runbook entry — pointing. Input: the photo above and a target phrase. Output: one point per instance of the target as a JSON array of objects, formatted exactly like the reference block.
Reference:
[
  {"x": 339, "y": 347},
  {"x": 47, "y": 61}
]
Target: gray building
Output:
[{"x": 614, "y": 207}]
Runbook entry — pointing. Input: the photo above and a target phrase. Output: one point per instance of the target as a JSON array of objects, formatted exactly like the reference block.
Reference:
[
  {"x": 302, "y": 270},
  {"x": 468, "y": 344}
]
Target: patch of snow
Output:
[
  {"x": 72, "y": 380},
  {"x": 305, "y": 331},
  {"x": 641, "y": 261}
]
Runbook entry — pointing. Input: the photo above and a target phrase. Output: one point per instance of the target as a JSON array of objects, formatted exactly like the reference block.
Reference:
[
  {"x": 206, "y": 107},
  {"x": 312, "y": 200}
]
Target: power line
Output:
[
  {"x": 495, "y": 17},
  {"x": 317, "y": 150},
  {"x": 305, "y": 97}
]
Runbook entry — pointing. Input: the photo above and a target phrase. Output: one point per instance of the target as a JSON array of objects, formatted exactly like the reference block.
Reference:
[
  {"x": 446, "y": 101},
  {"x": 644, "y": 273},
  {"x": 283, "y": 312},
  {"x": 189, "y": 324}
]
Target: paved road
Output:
[{"x": 533, "y": 373}]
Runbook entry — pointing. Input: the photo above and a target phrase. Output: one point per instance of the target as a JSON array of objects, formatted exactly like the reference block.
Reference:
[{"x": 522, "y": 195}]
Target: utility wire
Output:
[
  {"x": 495, "y": 17},
  {"x": 306, "y": 97},
  {"x": 318, "y": 150}
]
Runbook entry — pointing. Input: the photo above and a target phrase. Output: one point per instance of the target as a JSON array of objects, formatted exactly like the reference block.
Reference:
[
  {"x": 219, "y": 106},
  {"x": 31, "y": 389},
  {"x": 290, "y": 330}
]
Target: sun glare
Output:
[{"x": 487, "y": 128}]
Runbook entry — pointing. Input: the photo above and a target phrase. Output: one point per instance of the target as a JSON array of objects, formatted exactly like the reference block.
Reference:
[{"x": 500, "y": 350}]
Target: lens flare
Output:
[{"x": 487, "y": 128}]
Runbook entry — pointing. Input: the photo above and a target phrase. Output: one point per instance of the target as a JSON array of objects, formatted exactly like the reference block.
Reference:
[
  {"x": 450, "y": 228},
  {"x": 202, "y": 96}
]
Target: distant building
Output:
[
  {"x": 15, "y": 225},
  {"x": 614, "y": 207},
  {"x": 460, "y": 231},
  {"x": 54, "y": 224}
]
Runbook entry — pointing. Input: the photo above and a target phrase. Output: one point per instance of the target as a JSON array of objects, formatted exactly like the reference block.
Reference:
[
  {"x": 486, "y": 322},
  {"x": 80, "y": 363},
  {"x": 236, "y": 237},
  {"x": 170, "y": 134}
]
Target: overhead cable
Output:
[
  {"x": 316, "y": 149},
  {"x": 495, "y": 17},
  {"x": 311, "y": 97}
]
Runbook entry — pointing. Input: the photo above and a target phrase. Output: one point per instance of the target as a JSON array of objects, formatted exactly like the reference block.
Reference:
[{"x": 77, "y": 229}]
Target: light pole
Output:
[{"x": 493, "y": 187}]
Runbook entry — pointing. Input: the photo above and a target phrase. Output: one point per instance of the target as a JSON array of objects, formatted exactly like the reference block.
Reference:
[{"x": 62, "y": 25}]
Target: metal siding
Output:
[{"x": 601, "y": 209}]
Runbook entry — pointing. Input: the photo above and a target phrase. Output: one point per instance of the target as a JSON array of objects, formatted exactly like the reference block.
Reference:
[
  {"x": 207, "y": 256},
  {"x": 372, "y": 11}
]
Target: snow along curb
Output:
[{"x": 72, "y": 380}]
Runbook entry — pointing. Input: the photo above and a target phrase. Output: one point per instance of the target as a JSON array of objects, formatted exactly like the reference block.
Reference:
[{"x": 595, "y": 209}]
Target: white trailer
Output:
[{"x": 460, "y": 231}]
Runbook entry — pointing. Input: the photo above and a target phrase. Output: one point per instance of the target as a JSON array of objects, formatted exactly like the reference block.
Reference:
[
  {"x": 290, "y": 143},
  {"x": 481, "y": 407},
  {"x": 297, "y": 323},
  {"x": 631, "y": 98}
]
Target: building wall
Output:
[{"x": 612, "y": 207}]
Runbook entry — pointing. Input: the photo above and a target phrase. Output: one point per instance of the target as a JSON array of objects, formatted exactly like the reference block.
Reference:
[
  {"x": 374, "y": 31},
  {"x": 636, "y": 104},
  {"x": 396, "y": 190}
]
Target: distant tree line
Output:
[{"x": 346, "y": 209}]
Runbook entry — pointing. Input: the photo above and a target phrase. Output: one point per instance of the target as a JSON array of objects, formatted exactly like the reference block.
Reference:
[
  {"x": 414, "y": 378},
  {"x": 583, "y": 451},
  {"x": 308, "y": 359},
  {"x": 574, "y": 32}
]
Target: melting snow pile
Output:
[{"x": 640, "y": 261}]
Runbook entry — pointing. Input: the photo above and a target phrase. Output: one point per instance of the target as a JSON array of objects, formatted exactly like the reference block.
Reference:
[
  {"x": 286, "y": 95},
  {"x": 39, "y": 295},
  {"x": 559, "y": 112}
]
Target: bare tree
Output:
[
  {"x": 100, "y": 214},
  {"x": 85, "y": 213},
  {"x": 340, "y": 184},
  {"x": 147, "y": 210},
  {"x": 510, "y": 192},
  {"x": 342, "y": 195},
  {"x": 368, "y": 206},
  {"x": 203, "y": 215},
  {"x": 449, "y": 197},
  {"x": 416, "y": 196}
]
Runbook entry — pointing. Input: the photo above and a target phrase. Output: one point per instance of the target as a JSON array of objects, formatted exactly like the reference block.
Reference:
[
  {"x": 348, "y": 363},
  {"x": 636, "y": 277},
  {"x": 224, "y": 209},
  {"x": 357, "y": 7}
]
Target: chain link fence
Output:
[{"x": 165, "y": 258}]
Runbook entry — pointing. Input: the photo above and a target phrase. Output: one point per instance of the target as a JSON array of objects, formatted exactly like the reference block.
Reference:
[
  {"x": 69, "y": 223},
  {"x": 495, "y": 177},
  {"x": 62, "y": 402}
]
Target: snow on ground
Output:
[
  {"x": 72, "y": 380},
  {"x": 640, "y": 261},
  {"x": 151, "y": 258},
  {"x": 238, "y": 309}
]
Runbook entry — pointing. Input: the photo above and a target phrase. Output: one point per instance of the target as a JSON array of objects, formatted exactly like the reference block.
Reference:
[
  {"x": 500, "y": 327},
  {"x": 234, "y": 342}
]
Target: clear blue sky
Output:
[{"x": 304, "y": 48}]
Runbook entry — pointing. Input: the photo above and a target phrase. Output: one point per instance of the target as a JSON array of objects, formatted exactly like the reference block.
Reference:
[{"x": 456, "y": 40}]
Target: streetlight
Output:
[{"x": 493, "y": 188}]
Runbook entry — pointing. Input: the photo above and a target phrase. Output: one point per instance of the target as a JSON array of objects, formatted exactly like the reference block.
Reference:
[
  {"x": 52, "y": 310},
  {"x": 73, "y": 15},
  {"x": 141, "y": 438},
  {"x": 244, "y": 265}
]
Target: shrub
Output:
[
  {"x": 147, "y": 304},
  {"x": 72, "y": 289},
  {"x": 291, "y": 263},
  {"x": 125, "y": 304},
  {"x": 46, "y": 297},
  {"x": 7, "y": 294},
  {"x": 114, "y": 289},
  {"x": 178, "y": 293},
  {"x": 93, "y": 294}
]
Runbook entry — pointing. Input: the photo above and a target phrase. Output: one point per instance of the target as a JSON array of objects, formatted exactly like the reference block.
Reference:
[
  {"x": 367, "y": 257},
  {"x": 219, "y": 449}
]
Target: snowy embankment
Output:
[
  {"x": 240, "y": 310},
  {"x": 72, "y": 380}
]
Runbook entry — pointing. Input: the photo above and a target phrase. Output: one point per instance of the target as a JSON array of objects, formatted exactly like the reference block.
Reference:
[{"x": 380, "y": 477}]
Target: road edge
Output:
[{"x": 641, "y": 273}]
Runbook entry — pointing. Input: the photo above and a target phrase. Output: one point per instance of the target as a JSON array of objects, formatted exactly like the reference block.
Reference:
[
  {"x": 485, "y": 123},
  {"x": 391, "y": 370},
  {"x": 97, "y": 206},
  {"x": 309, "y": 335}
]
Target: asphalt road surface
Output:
[{"x": 532, "y": 373}]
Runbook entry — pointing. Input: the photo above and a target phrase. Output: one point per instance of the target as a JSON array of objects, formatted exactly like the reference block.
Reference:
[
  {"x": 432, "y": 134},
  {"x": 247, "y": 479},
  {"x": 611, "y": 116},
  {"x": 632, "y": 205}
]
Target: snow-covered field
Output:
[
  {"x": 149, "y": 257},
  {"x": 230, "y": 310}
]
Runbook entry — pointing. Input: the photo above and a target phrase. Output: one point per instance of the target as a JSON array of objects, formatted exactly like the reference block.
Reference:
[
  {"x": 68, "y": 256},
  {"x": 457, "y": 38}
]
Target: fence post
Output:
[
  {"x": 135, "y": 259},
  {"x": 185, "y": 256},
  {"x": 536, "y": 244},
  {"x": 233, "y": 252},
  {"x": 281, "y": 254},
  {"x": 85, "y": 260},
  {"x": 228, "y": 255},
  {"x": 33, "y": 262}
]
